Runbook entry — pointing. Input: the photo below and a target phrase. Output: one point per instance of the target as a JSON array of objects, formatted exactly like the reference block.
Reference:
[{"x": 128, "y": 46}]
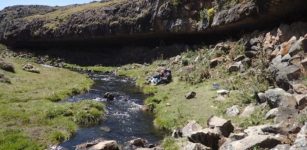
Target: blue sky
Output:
[{"x": 5, "y": 3}]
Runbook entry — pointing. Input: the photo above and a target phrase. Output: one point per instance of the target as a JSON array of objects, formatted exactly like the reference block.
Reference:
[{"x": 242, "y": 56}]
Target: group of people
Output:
[{"x": 164, "y": 76}]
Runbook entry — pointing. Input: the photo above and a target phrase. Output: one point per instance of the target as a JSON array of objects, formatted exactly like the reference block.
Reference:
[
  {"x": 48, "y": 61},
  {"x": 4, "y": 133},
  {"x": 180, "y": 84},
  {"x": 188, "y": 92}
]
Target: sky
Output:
[{"x": 5, "y": 3}]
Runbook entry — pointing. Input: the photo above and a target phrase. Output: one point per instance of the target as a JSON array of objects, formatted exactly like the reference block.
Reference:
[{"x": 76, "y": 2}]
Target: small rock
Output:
[
  {"x": 30, "y": 68},
  {"x": 168, "y": 104},
  {"x": 251, "y": 54},
  {"x": 223, "y": 126},
  {"x": 237, "y": 66},
  {"x": 109, "y": 96},
  {"x": 222, "y": 92},
  {"x": 190, "y": 95},
  {"x": 191, "y": 127},
  {"x": 239, "y": 58},
  {"x": 233, "y": 111},
  {"x": 249, "y": 110},
  {"x": 214, "y": 62},
  {"x": 271, "y": 113}
]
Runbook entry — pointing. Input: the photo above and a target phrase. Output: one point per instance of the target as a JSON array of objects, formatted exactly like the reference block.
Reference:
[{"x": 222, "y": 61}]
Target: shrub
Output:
[{"x": 170, "y": 144}]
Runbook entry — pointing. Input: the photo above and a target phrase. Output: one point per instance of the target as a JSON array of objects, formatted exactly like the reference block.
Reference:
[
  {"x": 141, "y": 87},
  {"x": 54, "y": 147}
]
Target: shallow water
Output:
[{"x": 124, "y": 120}]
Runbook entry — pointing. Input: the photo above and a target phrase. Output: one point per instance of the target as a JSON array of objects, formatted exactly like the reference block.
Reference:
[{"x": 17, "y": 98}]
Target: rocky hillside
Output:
[{"x": 144, "y": 18}]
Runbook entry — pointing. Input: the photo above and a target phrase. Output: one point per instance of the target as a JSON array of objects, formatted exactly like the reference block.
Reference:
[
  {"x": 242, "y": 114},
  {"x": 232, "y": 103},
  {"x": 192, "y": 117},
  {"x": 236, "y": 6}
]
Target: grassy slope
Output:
[
  {"x": 29, "y": 117},
  {"x": 172, "y": 110},
  {"x": 54, "y": 18}
]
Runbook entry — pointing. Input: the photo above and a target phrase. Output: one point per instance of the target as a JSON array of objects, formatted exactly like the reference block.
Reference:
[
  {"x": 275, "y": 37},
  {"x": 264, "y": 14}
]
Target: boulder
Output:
[
  {"x": 190, "y": 95},
  {"x": 301, "y": 101},
  {"x": 195, "y": 146},
  {"x": 207, "y": 137},
  {"x": 221, "y": 125},
  {"x": 138, "y": 142},
  {"x": 287, "y": 74},
  {"x": 191, "y": 127},
  {"x": 6, "y": 66},
  {"x": 249, "y": 142},
  {"x": 248, "y": 110},
  {"x": 233, "y": 111},
  {"x": 276, "y": 97},
  {"x": 30, "y": 68},
  {"x": 300, "y": 142},
  {"x": 271, "y": 113},
  {"x": 235, "y": 67}
]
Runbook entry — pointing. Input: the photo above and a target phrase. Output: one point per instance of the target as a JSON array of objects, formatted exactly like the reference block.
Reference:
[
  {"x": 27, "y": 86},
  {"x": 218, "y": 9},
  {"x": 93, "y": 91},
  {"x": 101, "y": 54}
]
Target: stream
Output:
[{"x": 124, "y": 118}]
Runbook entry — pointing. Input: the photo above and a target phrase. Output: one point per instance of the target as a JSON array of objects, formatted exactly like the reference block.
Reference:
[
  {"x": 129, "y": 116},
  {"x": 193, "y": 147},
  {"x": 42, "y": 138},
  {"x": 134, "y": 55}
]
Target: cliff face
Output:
[{"x": 132, "y": 18}]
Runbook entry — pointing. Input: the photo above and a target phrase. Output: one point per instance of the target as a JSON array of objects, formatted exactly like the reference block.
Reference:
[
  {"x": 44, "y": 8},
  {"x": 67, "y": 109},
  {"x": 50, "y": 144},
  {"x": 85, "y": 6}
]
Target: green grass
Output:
[
  {"x": 30, "y": 118},
  {"x": 170, "y": 107}
]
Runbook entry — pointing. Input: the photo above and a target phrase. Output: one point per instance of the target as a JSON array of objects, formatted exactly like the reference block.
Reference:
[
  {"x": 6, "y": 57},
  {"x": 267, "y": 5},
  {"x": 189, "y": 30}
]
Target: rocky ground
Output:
[{"x": 261, "y": 90}]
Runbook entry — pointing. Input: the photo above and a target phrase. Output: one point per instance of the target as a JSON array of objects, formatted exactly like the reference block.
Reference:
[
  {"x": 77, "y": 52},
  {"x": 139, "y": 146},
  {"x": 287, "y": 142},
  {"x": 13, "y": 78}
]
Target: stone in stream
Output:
[{"x": 109, "y": 96}]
